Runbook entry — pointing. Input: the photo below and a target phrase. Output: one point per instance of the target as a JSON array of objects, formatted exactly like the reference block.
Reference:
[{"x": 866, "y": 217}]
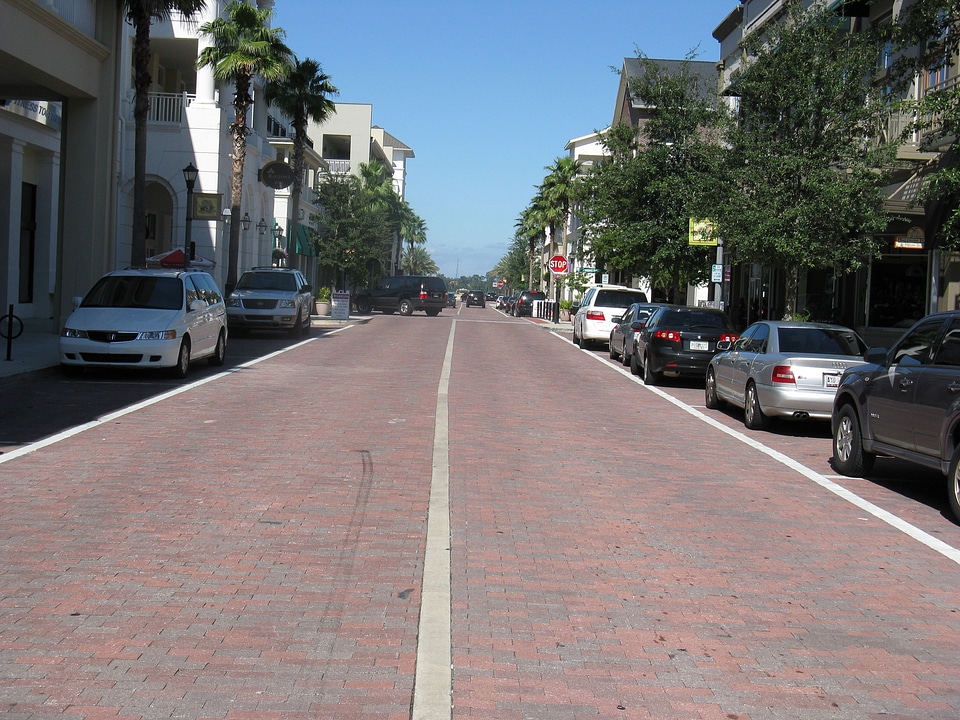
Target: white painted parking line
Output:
[{"x": 912, "y": 531}]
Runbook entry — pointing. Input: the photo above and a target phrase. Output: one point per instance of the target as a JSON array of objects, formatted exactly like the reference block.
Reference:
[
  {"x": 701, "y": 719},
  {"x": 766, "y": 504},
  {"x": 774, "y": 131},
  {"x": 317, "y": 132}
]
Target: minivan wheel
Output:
[
  {"x": 953, "y": 484},
  {"x": 848, "y": 455},
  {"x": 182, "y": 367},
  {"x": 220, "y": 351},
  {"x": 405, "y": 307}
]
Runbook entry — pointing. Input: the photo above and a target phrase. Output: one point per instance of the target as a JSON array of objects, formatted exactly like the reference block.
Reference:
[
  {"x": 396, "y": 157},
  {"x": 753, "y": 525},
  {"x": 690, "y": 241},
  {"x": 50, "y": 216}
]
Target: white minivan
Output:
[{"x": 146, "y": 319}]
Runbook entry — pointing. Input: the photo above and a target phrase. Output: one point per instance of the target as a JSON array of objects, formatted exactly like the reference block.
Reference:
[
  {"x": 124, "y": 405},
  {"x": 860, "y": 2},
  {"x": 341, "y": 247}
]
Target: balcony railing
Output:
[
  {"x": 338, "y": 167},
  {"x": 167, "y": 108}
]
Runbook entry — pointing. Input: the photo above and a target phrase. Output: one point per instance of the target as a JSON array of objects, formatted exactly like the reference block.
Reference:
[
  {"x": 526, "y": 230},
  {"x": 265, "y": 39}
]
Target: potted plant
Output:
[
  {"x": 565, "y": 307},
  {"x": 322, "y": 301},
  {"x": 279, "y": 256}
]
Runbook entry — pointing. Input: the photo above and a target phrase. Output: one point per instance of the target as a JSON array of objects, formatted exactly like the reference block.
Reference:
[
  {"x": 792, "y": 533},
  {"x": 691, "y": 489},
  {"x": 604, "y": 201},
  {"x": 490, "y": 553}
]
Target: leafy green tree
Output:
[
  {"x": 636, "y": 209},
  {"x": 805, "y": 190},
  {"x": 141, "y": 13},
  {"x": 355, "y": 231},
  {"x": 242, "y": 45},
  {"x": 303, "y": 95}
]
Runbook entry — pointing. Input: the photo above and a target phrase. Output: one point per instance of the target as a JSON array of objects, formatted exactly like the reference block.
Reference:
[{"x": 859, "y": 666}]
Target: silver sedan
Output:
[{"x": 782, "y": 369}]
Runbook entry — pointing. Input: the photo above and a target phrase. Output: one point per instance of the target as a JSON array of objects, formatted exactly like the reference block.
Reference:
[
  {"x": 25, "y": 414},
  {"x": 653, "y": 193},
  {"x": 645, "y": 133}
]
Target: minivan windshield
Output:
[{"x": 131, "y": 291}]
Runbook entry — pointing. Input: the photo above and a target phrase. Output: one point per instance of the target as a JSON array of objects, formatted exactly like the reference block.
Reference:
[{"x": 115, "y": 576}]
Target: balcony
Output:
[
  {"x": 82, "y": 14},
  {"x": 167, "y": 108},
  {"x": 338, "y": 167}
]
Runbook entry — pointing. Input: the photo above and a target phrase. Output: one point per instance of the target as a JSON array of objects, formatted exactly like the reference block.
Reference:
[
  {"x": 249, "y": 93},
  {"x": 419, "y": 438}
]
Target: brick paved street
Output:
[{"x": 254, "y": 547}]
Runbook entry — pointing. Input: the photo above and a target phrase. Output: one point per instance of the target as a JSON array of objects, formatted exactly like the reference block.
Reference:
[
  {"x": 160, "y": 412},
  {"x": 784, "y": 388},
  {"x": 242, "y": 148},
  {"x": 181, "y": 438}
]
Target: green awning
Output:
[{"x": 305, "y": 244}]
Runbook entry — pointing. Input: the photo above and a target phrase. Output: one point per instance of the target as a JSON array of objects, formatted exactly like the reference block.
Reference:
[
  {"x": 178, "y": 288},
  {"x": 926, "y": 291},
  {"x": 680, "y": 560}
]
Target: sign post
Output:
[{"x": 558, "y": 266}]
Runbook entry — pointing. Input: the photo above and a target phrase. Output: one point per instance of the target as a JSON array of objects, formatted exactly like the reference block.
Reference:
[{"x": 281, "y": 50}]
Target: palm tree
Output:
[
  {"x": 141, "y": 14},
  {"x": 413, "y": 229},
  {"x": 557, "y": 191},
  {"x": 303, "y": 95},
  {"x": 242, "y": 46},
  {"x": 530, "y": 227},
  {"x": 419, "y": 262}
]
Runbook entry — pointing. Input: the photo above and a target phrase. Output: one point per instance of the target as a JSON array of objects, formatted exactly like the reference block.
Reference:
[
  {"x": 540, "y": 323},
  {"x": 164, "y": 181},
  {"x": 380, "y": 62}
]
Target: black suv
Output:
[
  {"x": 903, "y": 403},
  {"x": 404, "y": 294},
  {"x": 476, "y": 297},
  {"x": 524, "y": 304}
]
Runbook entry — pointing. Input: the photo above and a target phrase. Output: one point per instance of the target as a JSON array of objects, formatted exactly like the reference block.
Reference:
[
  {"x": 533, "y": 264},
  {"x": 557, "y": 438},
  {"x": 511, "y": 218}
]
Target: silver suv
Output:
[{"x": 271, "y": 298}]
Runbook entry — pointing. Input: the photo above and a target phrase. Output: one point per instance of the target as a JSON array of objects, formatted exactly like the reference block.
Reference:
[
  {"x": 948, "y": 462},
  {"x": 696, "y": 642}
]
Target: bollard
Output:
[{"x": 9, "y": 334}]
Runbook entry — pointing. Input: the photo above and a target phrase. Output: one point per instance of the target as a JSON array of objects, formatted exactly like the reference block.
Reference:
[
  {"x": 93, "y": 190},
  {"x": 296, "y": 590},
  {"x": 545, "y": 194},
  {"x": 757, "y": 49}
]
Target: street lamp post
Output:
[
  {"x": 277, "y": 235},
  {"x": 190, "y": 178}
]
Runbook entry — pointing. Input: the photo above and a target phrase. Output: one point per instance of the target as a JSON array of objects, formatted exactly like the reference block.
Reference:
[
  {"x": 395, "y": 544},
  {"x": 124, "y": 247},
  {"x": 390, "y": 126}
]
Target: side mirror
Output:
[
  {"x": 638, "y": 325},
  {"x": 307, "y": 289},
  {"x": 76, "y": 301},
  {"x": 724, "y": 345},
  {"x": 876, "y": 355},
  {"x": 197, "y": 304}
]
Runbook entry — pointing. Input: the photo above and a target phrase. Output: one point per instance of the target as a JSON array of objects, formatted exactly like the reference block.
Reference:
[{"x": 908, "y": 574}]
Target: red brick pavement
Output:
[{"x": 253, "y": 548}]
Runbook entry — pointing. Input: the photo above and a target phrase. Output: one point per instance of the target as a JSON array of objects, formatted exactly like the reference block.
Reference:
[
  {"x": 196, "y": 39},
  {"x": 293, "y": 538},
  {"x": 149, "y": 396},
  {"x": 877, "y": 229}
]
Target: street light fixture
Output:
[
  {"x": 245, "y": 221},
  {"x": 277, "y": 232},
  {"x": 262, "y": 226},
  {"x": 190, "y": 178}
]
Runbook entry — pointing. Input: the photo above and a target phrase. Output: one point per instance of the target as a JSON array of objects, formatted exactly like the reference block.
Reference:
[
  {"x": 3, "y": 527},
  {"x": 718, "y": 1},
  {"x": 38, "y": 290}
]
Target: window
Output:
[
  {"x": 915, "y": 348},
  {"x": 949, "y": 350}
]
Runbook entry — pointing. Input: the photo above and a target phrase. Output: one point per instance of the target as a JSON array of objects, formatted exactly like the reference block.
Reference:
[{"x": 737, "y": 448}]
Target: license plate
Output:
[
  {"x": 699, "y": 345},
  {"x": 831, "y": 380}
]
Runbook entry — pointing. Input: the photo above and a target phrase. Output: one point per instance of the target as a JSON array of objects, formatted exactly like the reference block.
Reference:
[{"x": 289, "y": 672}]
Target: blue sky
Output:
[{"x": 487, "y": 93}]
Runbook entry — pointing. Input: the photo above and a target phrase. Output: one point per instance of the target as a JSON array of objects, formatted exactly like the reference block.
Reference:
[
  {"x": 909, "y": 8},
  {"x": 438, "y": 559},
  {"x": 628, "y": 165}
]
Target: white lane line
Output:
[
  {"x": 912, "y": 531},
  {"x": 433, "y": 678},
  {"x": 109, "y": 417}
]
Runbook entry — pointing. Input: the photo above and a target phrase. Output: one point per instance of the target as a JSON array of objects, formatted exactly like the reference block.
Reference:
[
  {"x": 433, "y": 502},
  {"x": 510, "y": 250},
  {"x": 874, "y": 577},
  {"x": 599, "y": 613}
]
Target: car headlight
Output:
[
  {"x": 287, "y": 303},
  {"x": 157, "y": 335},
  {"x": 233, "y": 301},
  {"x": 71, "y": 333}
]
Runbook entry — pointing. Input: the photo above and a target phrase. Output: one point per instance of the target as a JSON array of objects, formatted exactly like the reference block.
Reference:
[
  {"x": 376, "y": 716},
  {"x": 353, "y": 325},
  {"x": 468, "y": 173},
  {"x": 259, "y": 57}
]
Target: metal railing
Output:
[
  {"x": 82, "y": 14},
  {"x": 167, "y": 108}
]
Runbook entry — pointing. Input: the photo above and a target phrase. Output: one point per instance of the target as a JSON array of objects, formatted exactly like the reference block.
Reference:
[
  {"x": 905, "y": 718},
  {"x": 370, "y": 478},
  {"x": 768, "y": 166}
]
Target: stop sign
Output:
[{"x": 558, "y": 265}]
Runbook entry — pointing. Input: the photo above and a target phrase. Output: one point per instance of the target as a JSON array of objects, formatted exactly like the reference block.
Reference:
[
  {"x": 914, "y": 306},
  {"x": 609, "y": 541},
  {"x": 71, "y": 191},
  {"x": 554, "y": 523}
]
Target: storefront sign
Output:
[
  {"x": 913, "y": 240},
  {"x": 277, "y": 174},
  {"x": 702, "y": 234}
]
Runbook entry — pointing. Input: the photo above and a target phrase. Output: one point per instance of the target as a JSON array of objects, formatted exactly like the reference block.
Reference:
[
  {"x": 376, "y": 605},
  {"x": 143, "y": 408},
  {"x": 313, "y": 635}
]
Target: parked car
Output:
[
  {"x": 501, "y": 301},
  {"x": 146, "y": 319},
  {"x": 271, "y": 298},
  {"x": 524, "y": 303},
  {"x": 678, "y": 340},
  {"x": 903, "y": 403},
  {"x": 782, "y": 370},
  {"x": 627, "y": 328},
  {"x": 476, "y": 297},
  {"x": 509, "y": 303},
  {"x": 405, "y": 294},
  {"x": 600, "y": 308},
  {"x": 491, "y": 296}
]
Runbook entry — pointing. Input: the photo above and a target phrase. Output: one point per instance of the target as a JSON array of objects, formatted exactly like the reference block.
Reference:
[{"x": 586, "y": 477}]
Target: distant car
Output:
[
  {"x": 524, "y": 304},
  {"x": 509, "y": 303},
  {"x": 491, "y": 296},
  {"x": 451, "y": 299},
  {"x": 627, "y": 328},
  {"x": 404, "y": 294},
  {"x": 271, "y": 298},
  {"x": 600, "y": 308},
  {"x": 679, "y": 341},
  {"x": 501, "y": 301},
  {"x": 146, "y": 319},
  {"x": 903, "y": 403},
  {"x": 782, "y": 370},
  {"x": 476, "y": 297}
]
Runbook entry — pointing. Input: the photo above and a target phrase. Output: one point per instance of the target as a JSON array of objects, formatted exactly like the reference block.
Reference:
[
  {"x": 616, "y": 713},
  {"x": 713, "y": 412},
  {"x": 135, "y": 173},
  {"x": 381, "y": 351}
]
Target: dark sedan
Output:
[
  {"x": 903, "y": 403},
  {"x": 626, "y": 330},
  {"x": 679, "y": 341}
]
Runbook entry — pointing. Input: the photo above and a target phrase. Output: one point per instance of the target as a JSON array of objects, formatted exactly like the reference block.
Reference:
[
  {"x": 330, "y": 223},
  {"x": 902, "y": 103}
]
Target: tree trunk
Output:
[
  {"x": 790, "y": 287},
  {"x": 239, "y": 130},
  {"x": 141, "y": 106}
]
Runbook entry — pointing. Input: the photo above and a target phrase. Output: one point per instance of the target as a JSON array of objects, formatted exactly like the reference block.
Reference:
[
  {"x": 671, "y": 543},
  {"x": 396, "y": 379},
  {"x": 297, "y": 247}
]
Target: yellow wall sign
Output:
[{"x": 702, "y": 233}]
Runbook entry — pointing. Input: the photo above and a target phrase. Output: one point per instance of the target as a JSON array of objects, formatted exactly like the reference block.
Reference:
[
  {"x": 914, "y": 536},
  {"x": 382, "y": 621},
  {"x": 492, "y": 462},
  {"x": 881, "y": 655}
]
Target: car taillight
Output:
[
  {"x": 668, "y": 335},
  {"x": 595, "y": 315},
  {"x": 728, "y": 337},
  {"x": 783, "y": 374},
  {"x": 424, "y": 294}
]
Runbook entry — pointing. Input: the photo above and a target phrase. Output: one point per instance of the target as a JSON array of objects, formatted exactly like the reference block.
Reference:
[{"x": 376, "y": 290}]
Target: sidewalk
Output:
[{"x": 38, "y": 350}]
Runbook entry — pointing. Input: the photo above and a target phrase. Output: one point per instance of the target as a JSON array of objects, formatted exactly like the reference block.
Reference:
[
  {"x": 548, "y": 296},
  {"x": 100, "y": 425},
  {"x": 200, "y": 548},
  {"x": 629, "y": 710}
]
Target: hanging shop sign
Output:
[
  {"x": 913, "y": 240},
  {"x": 276, "y": 174}
]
